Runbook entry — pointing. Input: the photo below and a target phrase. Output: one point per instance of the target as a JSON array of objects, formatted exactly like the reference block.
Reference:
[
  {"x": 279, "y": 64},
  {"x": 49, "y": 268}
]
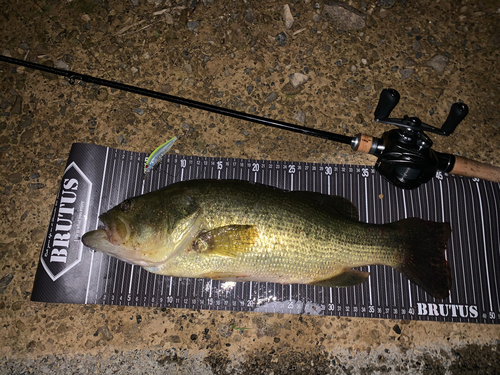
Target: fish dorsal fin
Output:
[
  {"x": 226, "y": 241},
  {"x": 347, "y": 277},
  {"x": 337, "y": 203}
]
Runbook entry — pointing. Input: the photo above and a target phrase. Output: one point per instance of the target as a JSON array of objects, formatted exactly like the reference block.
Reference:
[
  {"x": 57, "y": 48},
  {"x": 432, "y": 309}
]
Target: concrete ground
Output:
[{"x": 237, "y": 54}]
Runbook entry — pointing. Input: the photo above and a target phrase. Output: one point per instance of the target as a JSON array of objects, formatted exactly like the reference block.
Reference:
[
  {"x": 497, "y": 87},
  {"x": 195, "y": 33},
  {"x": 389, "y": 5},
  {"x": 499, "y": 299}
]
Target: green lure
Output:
[{"x": 157, "y": 154}]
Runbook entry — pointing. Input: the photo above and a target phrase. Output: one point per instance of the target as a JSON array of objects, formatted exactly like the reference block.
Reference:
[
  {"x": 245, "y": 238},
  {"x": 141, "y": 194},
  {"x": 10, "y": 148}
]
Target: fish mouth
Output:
[
  {"x": 95, "y": 238},
  {"x": 117, "y": 229},
  {"x": 98, "y": 240},
  {"x": 111, "y": 239}
]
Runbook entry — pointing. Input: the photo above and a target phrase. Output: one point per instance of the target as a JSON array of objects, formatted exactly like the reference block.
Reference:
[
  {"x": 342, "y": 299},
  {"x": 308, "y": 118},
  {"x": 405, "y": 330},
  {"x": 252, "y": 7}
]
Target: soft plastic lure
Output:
[{"x": 157, "y": 154}]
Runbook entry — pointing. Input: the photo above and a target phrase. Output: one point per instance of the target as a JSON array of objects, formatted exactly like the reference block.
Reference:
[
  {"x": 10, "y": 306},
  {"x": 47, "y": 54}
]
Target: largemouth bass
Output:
[{"x": 240, "y": 231}]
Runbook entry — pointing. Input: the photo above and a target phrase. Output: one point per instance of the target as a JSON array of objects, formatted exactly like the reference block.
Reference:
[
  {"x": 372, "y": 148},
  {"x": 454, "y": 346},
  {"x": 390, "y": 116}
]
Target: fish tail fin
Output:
[{"x": 423, "y": 259}]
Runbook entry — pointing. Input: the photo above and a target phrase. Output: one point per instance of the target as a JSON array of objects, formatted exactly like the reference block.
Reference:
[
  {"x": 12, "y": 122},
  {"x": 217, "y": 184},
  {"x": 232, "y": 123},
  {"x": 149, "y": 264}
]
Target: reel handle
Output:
[
  {"x": 389, "y": 98},
  {"x": 457, "y": 113}
]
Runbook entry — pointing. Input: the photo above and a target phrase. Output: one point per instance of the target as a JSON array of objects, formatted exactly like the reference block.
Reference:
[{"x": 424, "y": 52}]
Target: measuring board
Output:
[{"x": 98, "y": 178}]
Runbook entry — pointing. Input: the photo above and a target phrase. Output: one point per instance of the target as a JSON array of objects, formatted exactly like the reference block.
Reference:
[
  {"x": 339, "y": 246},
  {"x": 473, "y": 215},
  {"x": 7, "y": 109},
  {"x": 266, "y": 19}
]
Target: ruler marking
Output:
[
  {"x": 492, "y": 226},
  {"x": 367, "y": 220},
  {"x": 361, "y": 287},
  {"x": 162, "y": 285},
  {"x": 347, "y": 290},
  {"x": 146, "y": 288},
  {"x": 125, "y": 264},
  {"x": 378, "y": 269},
  {"x": 154, "y": 291},
  {"x": 405, "y": 213},
  {"x": 476, "y": 240},
  {"x": 110, "y": 195},
  {"x": 443, "y": 219},
  {"x": 123, "y": 278},
  {"x": 460, "y": 236},
  {"x": 101, "y": 257},
  {"x": 339, "y": 300},
  {"x": 116, "y": 262},
  {"x": 468, "y": 248},
  {"x": 107, "y": 257},
  {"x": 484, "y": 246},
  {"x": 490, "y": 217},
  {"x": 139, "y": 278},
  {"x": 96, "y": 225},
  {"x": 177, "y": 292},
  {"x": 442, "y": 208},
  {"x": 376, "y": 221}
]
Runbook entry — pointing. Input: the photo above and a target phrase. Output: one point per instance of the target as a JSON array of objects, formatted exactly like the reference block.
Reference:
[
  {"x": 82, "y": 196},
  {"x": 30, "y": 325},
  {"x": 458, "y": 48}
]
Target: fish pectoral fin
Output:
[
  {"x": 226, "y": 276},
  {"x": 347, "y": 277},
  {"x": 227, "y": 241}
]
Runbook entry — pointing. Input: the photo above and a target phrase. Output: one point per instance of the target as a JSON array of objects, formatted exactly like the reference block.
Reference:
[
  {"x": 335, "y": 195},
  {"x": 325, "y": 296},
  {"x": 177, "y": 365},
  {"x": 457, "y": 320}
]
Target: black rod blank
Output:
[{"x": 72, "y": 76}]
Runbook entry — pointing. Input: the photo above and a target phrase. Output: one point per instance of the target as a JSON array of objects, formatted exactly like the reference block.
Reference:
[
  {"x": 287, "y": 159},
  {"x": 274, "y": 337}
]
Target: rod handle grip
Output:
[{"x": 470, "y": 168}]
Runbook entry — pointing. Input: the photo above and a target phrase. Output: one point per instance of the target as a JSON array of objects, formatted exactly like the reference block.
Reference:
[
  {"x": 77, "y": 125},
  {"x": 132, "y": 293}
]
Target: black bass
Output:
[{"x": 240, "y": 231}]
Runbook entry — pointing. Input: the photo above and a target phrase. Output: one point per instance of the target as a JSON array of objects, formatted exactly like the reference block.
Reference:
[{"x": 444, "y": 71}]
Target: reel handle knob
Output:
[
  {"x": 389, "y": 98},
  {"x": 458, "y": 112}
]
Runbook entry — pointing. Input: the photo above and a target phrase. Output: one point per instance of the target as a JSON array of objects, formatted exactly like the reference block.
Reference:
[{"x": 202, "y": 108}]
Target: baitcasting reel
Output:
[{"x": 405, "y": 157}]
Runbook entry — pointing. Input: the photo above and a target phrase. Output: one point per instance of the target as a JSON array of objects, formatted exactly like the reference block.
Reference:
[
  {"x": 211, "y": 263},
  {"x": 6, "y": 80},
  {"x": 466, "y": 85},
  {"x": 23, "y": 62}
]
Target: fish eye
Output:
[{"x": 125, "y": 206}]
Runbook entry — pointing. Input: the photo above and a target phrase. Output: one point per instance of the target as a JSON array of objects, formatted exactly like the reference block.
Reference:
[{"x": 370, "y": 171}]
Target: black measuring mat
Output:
[{"x": 98, "y": 178}]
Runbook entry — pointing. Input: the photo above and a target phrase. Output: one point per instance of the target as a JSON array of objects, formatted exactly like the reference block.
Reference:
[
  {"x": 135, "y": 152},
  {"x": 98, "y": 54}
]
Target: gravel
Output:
[{"x": 147, "y": 362}]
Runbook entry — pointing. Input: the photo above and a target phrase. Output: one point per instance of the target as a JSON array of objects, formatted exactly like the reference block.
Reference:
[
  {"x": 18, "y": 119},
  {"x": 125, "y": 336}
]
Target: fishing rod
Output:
[{"x": 405, "y": 157}]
